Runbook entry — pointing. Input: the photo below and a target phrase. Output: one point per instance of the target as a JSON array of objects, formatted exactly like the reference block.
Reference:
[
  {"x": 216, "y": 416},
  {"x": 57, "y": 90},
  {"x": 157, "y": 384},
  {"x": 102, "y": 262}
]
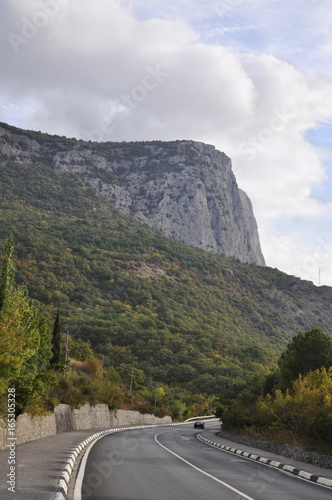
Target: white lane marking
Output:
[
  {"x": 81, "y": 472},
  {"x": 202, "y": 471},
  {"x": 80, "y": 475}
]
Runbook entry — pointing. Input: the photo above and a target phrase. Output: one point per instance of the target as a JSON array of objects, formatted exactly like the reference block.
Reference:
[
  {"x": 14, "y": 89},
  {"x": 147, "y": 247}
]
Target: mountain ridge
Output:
[{"x": 185, "y": 189}]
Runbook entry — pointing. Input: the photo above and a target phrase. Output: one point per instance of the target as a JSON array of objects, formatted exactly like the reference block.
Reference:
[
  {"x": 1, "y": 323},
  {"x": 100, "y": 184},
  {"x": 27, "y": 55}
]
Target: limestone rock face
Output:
[
  {"x": 188, "y": 192},
  {"x": 185, "y": 189}
]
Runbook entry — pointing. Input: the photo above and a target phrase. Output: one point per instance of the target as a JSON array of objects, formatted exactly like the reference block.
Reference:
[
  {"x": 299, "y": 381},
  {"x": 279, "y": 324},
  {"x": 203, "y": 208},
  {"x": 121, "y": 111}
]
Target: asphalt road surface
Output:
[{"x": 170, "y": 463}]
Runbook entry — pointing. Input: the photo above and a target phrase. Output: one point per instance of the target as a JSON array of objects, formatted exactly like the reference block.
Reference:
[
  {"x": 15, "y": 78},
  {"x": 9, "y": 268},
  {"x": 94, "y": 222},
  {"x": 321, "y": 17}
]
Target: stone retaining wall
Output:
[
  {"x": 65, "y": 419},
  {"x": 286, "y": 450},
  {"x": 124, "y": 417},
  {"x": 29, "y": 428},
  {"x": 91, "y": 417}
]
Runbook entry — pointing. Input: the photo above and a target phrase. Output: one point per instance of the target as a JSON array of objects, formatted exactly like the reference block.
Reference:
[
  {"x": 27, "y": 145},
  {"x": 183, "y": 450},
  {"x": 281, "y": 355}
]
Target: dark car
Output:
[{"x": 199, "y": 424}]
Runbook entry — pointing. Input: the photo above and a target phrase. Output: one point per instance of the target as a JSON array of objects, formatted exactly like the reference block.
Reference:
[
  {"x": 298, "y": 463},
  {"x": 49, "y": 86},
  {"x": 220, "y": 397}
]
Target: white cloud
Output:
[
  {"x": 310, "y": 258},
  {"x": 95, "y": 71}
]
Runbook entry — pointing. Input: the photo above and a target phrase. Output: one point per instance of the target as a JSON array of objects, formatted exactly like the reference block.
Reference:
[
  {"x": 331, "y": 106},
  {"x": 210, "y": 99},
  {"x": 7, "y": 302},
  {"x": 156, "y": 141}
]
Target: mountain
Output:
[
  {"x": 185, "y": 189},
  {"x": 186, "y": 317}
]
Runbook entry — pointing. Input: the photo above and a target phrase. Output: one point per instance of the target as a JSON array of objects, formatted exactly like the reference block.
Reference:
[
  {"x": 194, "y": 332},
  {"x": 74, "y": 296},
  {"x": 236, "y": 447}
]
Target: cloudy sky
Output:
[{"x": 252, "y": 77}]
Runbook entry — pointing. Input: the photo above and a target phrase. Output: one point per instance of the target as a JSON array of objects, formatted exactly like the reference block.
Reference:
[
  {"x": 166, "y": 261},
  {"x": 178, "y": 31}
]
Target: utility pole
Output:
[
  {"x": 102, "y": 369},
  {"x": 131, "y": 380},
  {"x": 155, "y": 398},
  {"x": 64, "y": 372},
  {"x": 180, "y": 412}
]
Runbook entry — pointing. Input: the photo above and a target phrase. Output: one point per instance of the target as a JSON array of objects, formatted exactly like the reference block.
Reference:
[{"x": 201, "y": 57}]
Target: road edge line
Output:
[
  {"x": 235, "y": 490},
  {"x": 322, "y": 481}
]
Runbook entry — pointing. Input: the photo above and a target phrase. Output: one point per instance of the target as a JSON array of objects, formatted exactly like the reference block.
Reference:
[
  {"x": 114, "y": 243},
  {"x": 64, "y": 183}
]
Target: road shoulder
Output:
[
  {"x": 38, "y": 465},
  {"x": 311, "y": 472}
]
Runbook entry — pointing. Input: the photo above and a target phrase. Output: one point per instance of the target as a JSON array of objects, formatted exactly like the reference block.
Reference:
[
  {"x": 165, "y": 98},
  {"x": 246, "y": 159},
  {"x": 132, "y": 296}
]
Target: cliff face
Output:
[{"x": 185, "y": 189}]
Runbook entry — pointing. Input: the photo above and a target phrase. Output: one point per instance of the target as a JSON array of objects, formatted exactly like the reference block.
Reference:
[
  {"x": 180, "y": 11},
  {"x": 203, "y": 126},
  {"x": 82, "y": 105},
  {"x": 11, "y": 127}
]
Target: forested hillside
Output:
[{"x": 183, "y": 316}]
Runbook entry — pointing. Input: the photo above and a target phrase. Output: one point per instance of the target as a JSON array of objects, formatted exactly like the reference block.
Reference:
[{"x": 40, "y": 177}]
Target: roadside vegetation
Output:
[{"x": 292, "y": 403}]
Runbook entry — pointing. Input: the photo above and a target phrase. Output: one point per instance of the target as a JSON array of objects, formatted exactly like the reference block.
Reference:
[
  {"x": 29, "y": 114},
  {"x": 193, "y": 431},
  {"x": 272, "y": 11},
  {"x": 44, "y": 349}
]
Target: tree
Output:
[
  {"x": 35, "y": 380},
  {"x": 19, "y": 336},
  {"x": 7, "y": 274},
  {"x": 24, "y": 342},
  {"x": 56, "y": 340},
  {"x": 307, "y": 352}
]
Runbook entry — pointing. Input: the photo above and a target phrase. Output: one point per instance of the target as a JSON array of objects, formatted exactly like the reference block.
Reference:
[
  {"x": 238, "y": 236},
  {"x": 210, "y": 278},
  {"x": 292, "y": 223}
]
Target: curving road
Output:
[{"x": 170, "y": 463}]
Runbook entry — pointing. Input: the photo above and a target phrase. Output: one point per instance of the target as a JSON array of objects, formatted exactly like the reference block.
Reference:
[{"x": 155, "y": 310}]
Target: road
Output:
[{"x": 170, "y": 463}]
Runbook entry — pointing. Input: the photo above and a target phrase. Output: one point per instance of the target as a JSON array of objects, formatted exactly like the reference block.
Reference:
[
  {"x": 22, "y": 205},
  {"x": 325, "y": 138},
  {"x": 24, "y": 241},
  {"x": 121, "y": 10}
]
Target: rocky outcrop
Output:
[{"x": 185, "y": 189}]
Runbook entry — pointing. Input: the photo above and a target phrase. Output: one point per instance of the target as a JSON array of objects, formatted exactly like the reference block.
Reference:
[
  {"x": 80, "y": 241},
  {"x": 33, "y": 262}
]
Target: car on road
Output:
[{"x": 199, "y": 424}]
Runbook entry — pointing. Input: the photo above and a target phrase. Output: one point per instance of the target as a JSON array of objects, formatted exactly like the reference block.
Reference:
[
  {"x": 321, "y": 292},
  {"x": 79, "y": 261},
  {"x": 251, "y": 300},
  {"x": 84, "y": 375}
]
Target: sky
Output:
[{"x": 251, "y": 77}]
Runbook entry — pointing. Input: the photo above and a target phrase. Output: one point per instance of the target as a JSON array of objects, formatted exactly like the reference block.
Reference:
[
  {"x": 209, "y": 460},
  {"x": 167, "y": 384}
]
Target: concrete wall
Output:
[{"x": 65, "y": 419}]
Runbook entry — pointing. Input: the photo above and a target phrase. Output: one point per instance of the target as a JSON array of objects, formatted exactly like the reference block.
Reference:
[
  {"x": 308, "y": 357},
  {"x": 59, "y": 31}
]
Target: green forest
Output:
[{"x": 176, "y": 329}]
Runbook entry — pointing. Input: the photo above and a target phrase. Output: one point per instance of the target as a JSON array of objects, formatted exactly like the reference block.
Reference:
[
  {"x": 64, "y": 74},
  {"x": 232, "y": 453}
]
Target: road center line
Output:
[{"x": 200, "y": 470}]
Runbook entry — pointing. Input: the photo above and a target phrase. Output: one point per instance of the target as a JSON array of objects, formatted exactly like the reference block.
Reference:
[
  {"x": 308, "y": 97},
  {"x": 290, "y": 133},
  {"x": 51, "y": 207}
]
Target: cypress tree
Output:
[
  {"x": 7, "y": 274},
  {"x": 55, "y": 360}
]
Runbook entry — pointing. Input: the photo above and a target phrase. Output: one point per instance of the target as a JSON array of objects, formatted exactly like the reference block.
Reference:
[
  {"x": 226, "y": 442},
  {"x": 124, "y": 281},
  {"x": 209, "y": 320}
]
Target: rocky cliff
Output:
[{"x": 185, "y": 189}]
